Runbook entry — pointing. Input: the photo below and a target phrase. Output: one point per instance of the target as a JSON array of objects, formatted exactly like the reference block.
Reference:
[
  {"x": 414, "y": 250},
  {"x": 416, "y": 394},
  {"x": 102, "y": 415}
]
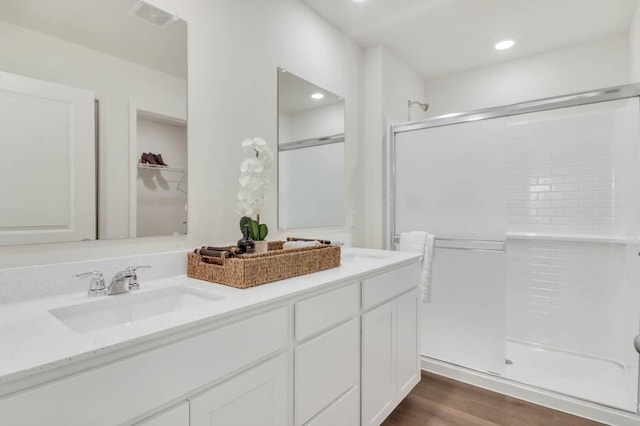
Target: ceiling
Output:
[
  {"x": 104, "y": 25},
  {"x": 294, "y": 94},
  {"x": 438, "y": 37}
]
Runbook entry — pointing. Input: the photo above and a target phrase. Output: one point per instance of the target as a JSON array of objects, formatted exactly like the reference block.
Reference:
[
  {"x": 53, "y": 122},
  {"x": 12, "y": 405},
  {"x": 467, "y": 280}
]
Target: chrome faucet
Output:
[{"x": 125, "y": 281}]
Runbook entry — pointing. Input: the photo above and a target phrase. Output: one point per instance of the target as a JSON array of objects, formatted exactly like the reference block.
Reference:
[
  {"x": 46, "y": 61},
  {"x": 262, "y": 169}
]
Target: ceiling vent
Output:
[{"x": 152, "y": 15}]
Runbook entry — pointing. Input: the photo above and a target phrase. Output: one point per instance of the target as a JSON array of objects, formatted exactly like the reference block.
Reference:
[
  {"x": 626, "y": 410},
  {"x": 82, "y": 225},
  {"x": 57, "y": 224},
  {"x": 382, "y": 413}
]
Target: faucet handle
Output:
[
  {"x": 97, "y": 286},
  {"x": 133, "y": 281},
  {"x": 134, "y": 268}
]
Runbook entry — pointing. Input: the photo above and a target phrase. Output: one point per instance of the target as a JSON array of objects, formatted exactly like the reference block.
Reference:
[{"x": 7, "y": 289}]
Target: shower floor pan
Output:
[{"x": 592, "y": 379}]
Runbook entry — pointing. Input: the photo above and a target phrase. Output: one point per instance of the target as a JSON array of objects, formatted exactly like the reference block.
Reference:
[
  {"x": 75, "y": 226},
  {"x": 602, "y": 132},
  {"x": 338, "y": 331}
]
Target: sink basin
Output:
[{"x": 130, "y": 307}]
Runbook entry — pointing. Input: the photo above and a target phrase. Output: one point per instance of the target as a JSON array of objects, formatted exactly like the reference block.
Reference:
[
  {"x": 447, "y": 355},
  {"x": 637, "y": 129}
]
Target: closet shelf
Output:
[{"x": 165, "y": 168}]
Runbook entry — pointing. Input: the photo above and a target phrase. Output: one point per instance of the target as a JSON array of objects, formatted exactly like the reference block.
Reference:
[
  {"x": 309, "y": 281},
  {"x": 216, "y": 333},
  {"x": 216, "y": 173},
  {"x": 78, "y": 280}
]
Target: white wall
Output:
[
  {"x": 234, "y": 51},
  {"x": 595, "y": 65},
  {"x": 400, "y": 84},
  {"x": 161, "y": 195},
  {"x": 634, "y": 46},
  {"x": 389, "y": 84},
  {"x": 116, "y": 83}
]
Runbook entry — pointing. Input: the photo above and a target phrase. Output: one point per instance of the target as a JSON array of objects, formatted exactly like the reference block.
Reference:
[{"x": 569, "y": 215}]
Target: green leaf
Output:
[
  {"x": 245, "y": 220},
  {"x": 263, "y": 231},
  {"x": 254, "y": 229}
]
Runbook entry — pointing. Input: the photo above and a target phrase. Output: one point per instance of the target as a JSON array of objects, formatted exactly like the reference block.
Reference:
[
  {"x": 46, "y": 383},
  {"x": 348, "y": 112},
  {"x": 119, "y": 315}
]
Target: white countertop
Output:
[{"x": 33, "y": 341}]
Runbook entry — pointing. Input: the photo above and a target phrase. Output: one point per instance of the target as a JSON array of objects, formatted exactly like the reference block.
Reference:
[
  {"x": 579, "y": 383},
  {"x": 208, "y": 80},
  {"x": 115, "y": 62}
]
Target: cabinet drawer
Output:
[
  {"x": 138, "y": 384},
  {"x": 323, "y": 311},
  {"x": 390, "y": 284},
  {"x": 325, "y": 368}
]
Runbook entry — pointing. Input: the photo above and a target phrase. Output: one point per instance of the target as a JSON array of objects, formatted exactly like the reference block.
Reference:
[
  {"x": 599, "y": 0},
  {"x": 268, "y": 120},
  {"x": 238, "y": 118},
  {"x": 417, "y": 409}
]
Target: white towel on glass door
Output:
[{"x": 424, "y": 243}]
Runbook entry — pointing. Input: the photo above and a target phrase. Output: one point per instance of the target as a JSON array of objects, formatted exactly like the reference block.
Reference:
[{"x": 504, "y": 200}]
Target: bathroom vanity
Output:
[{"x": 338, "y": 347}]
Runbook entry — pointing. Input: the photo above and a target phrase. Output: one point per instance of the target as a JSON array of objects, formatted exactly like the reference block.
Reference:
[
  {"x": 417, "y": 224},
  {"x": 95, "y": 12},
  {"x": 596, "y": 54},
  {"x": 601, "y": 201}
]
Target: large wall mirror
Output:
[
  {"x": 311, "y": 149},
  {"x": 93, "y": 119}
]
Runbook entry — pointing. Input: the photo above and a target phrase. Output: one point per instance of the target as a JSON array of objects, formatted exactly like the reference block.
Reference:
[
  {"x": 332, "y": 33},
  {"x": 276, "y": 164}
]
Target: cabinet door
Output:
[
  {"x": 407, "y": 350},
  {"x": 325, "y": 368},
  {"x": 175, "y": 416},
  {"x": 257, "y": 397},
  {"x": 378, "y": 363},
  {"x": 47, "y": 166}
]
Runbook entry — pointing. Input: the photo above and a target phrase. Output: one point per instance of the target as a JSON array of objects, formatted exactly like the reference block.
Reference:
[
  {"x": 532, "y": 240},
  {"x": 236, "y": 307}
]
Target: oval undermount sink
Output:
[{"x": 129, "y": 307}]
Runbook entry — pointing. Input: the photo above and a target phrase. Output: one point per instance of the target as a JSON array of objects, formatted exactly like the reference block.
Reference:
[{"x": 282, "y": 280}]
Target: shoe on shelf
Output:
[
  {"x": 149, "y": 158},
  {"x": 159, "y": 160}
]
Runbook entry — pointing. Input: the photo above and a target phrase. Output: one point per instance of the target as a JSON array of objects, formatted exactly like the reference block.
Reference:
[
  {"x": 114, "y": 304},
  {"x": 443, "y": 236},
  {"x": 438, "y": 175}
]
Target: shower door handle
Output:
[{"x": 636, "y": 343}]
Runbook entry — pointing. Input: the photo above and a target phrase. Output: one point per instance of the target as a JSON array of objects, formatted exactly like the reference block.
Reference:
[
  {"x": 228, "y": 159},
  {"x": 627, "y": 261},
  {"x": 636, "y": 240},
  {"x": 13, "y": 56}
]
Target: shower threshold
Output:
[{"x": 592, "y": 379}]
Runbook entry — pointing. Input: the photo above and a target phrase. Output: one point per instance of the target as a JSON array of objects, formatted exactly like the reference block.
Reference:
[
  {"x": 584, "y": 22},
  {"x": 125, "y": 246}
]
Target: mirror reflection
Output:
[
  {"x": 87, "y": 88},
  {"x": 310, "y": 154}
]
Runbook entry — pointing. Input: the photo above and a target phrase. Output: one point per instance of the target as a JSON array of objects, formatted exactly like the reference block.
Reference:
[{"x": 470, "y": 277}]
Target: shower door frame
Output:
[
  {"x": 613, "y": 93},
  {"x": 626, "y": 91}
]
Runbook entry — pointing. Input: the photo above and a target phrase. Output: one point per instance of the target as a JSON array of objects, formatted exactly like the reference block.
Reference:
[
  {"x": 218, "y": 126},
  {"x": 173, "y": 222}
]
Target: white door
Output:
[
  {"x": 257, "y": 397},
  {"x": 47, "y": 162}
]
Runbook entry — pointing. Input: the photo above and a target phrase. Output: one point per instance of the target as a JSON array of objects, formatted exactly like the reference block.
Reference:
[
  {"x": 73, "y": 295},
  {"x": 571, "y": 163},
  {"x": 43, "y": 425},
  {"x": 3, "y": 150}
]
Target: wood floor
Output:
[{"x": 437, "y": 401}]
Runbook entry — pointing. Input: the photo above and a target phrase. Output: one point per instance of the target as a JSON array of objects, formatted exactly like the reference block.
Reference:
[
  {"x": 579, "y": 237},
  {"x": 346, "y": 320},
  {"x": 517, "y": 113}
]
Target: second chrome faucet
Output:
[{"x": 122, "y": 281}]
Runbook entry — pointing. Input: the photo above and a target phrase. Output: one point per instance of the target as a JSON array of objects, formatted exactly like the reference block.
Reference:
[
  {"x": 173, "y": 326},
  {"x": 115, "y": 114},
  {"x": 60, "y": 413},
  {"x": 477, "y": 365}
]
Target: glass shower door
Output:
[{"x": 451, "y": 183}]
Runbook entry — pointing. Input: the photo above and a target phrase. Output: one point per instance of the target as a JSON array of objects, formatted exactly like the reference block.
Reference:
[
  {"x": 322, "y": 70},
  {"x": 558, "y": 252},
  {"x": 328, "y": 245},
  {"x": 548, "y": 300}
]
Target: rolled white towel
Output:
[{"x": 300, "y": 244}]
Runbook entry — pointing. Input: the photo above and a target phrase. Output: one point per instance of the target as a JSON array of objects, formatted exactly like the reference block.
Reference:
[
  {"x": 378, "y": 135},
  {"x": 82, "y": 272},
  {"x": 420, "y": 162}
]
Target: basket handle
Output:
[{"x": 215, "y": 261}]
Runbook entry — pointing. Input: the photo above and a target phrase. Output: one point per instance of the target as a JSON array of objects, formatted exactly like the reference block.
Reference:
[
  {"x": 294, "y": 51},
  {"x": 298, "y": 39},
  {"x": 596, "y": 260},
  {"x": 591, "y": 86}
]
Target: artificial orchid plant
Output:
[{"x": 254, "y": 181}]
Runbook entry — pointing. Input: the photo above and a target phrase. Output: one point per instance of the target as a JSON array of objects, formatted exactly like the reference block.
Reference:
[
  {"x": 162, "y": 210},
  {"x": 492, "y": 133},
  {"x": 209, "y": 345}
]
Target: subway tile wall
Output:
[
  {"x": 568, "y": 295},
  {"x": 571, "y": 175}
]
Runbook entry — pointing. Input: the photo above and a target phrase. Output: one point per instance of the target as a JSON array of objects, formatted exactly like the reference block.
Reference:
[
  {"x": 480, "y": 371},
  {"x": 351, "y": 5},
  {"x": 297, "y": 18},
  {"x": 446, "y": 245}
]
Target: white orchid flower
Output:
[{"x": 253, "y": 178}]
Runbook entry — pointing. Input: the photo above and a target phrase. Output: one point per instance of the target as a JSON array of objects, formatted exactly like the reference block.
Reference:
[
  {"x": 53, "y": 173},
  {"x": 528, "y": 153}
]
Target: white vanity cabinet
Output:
[
  {"x": 340, "y": 352},
  {"x": 123, "y": 391},
  {"x": 390, "y": 353}
]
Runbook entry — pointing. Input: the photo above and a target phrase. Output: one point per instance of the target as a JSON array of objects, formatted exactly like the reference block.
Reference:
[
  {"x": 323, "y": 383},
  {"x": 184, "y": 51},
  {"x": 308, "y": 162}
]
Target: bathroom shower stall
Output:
[{"x": 535, "y": 208}]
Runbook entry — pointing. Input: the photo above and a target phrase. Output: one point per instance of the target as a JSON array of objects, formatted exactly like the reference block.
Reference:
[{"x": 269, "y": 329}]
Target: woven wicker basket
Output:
[{"x": 251, "y": 270}]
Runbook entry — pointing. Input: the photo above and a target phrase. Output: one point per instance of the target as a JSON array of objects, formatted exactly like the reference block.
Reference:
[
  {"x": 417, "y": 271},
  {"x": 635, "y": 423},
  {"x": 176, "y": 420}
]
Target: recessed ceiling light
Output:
[
  {"x": 317, "y": 96},
  {"x": 504, "y": 44}
]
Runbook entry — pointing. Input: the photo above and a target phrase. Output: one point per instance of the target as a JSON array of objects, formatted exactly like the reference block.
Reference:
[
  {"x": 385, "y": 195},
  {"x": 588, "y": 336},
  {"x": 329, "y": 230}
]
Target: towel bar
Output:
[{"x": 472, "y": 244}]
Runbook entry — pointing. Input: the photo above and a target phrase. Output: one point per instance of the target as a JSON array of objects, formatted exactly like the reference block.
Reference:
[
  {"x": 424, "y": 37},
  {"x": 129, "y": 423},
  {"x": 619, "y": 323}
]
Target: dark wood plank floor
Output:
[{"x": 439, "y": 401}]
